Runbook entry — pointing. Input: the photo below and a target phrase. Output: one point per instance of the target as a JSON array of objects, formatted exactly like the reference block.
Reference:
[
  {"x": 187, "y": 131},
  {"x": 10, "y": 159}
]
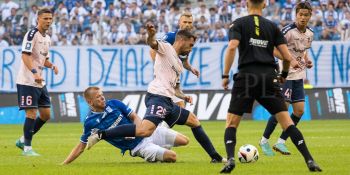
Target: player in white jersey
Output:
[
  {"x": 185, "y": 23},
  {"x": 299, "y": 37},
  {"x": 31, "y": 88},
  {"x": 160, "y": 107}
]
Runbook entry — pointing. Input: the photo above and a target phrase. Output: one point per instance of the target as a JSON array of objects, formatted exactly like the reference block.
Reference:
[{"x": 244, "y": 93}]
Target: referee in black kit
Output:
[{"x": 257, "y": 78}]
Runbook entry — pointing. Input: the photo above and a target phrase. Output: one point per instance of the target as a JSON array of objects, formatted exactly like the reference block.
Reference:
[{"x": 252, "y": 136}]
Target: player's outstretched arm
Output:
[
  {"x": 75, "y": 153},
  {"x": 151, "y": 41},
  {"x": 187, "y": 65},
  {"x": 135, "y": 118}
]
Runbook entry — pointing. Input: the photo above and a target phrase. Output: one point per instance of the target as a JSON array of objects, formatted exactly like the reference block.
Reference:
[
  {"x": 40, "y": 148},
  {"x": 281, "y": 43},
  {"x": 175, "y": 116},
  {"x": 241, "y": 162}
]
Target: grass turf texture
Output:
[{"x": 328, "y": 140}]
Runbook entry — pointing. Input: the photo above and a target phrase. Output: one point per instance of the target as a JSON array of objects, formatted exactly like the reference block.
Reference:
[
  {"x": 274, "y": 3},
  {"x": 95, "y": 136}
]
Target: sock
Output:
[
  {"x": 263, "y": 140},
  {"x": 281, "y": 141},
  {"x": 119, "y": 131},
  {"x": 270, "y": 127},
  {"x": 298, "y": 140},
  {"x": 230, "y": 141},
  {"x": 28, "y": 131},
  {"x": 38, "y": 124},
  {"x": 205, "y": 142},
  {"x": 27, "y": 148},
  {"x": 296, "y": 120}
]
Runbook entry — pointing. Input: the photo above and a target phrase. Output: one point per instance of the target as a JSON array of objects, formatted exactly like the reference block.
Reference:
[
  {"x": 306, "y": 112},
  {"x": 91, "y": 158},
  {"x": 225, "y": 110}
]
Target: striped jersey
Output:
[
  {"x": 298, "y": 43},
  {"x": 167, "y": 70}
]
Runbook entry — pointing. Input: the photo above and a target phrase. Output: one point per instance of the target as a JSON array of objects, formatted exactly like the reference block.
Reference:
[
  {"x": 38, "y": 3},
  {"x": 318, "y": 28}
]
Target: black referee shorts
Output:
[{"x": 264, "y": 88}]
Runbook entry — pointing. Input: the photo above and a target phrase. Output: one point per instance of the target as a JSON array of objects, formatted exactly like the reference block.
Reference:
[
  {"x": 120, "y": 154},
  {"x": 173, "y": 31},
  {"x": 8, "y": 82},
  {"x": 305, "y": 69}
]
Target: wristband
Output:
[
  {"x": 284, "y": 74},
  {"x": 34, "y": 71},
  {"x": 224, "y": 76}
]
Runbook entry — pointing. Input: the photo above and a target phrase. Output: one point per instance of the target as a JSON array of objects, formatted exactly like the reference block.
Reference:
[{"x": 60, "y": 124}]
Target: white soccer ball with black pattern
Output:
[{"x": 248, "y": 153}]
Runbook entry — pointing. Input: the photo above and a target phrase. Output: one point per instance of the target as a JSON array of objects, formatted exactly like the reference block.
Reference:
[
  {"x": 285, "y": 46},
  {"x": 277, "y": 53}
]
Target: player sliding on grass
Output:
[
  {"x": 299, "y": 37},
  {"x": 160, "y": 107},
  {"x": 112, "y": 113}
]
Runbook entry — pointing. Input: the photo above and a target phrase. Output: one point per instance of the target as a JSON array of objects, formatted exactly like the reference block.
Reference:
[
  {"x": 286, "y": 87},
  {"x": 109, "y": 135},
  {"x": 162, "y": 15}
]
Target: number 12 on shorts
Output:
[
  {"x": 26, "y": 100},
  {"x": 160, "y": 111}
]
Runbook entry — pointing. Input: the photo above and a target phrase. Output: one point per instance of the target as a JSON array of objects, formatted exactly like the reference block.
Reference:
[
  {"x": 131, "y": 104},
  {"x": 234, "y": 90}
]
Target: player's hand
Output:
[
  {"x": 55, "y": 70},
  {"x": 309, "y": 64},
  {"x": 281, "y": 79},
  {"x": 195, "y": 72},
  {"x": 225, "y": 83},
  {"x": 188, "y": 99},
  {"x": 294, "y": 64},
  {"x": 38, "y": 79},
  {"x": 151, "y": 29}
]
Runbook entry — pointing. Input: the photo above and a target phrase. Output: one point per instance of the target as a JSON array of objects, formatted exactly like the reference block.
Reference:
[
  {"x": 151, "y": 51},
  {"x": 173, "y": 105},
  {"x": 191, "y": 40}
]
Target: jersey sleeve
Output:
[
  {"x": 279, "y": 38},
  {"x": 28, "y": 41},
  {"x": 235, "y": 31},
  {"x": 86, "y": 134},
  {"x": 162, "y": 47},
  {"x": 126, "y": 111}
]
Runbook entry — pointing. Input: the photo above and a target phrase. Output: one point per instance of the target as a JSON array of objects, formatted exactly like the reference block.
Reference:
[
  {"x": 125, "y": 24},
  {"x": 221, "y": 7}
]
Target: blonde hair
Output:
[
  {"x": 87, "y": 92},
  {"x": 186, "y": 14}
]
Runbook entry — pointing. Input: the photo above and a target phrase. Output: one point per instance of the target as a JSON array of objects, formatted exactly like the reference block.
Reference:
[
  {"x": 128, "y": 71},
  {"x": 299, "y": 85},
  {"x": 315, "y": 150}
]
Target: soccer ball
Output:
[{"x": 248, "y": 153}]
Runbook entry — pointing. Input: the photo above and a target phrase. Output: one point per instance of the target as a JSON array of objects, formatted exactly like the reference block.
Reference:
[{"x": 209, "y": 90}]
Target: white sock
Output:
[
  {"x": 21, "y": 139},
  {"x": 281, "y": 141},
  {"x": 27, "y": 148},
  {"x": 263, "y": 140}
]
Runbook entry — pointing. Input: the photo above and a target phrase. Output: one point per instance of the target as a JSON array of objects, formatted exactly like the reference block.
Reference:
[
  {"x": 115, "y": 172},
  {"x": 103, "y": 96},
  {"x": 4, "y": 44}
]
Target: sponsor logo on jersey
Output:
[{"x": 258, "y": 42}]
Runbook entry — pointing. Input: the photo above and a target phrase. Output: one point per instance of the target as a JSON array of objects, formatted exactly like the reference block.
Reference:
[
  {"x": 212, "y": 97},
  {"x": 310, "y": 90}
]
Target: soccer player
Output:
[
  {"x": 167, "y": 70},
  {"x": 185, "y": 23},
  {"x": 299, "y": 37},
  {"x": 111, "y": 113},
  {"x": 31, "y": 89},
  {"x": 257, "y": 78}
]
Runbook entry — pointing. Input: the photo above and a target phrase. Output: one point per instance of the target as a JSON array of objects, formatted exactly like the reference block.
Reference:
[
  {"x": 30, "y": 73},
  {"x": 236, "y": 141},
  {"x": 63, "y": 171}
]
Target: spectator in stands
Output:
[
  {"x": 204, "y": 37},
  {"x": 111, "y": 12},
  {"x": 98, "y": 9},
  {"x": 214, "y": 16},
  {"x": 48, "y": 3},
  {"x": 6, "y": 7},
  {"x": 3, "y": 43},
  {"x": 344, "y": 27},
  {"x": 238, "y": 12},
  {"x": 13, "y": 18},
  {"x": 331, "y": 12},
  {"x": 331, "y": 27},
  {"x": 61, "y": 10},
  {"x": 32, "y": 15},
  {"x": 203, "y": 11},
  {"x": 142, "y": 36},
  {"x": 17, "y": 37},
  {"x": 150, "y": 12},
  {"x": 272, "y": 11}
]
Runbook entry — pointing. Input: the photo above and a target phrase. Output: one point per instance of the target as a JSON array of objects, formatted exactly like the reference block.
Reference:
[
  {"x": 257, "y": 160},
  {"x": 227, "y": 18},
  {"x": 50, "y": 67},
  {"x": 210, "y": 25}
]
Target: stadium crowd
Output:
[{"x": 110, "y": 22}]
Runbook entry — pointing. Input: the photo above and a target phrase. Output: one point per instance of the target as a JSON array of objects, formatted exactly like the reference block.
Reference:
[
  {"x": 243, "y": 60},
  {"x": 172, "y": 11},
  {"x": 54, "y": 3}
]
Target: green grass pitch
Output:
[{"x": 328, "y": 141}]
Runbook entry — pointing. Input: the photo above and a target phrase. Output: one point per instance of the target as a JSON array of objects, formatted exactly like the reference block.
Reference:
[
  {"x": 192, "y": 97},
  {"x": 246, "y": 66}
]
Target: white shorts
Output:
[
  {"x": 152, "y": 148},
  {"x": 176, "y": 99}
]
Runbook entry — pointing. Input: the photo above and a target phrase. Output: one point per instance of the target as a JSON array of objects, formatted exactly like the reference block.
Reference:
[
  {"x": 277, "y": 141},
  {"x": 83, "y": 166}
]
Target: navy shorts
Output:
[
  {"x": 161, "y": 108},
  {"x": 293, "y": 91},
  {"x": 32, "y": 97}
]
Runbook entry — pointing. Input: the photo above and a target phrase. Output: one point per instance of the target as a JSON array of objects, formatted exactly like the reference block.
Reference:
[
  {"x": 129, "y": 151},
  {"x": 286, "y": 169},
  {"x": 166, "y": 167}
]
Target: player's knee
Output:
[
  {"x": 31, "y": 113},
  {"x": 192, "y": 121},
  {"x": 169, "y": 156},
  {"x": 182, "y": 140},
  {"x": 144, "y": 132},
  {"x": 298, "y": 112}
]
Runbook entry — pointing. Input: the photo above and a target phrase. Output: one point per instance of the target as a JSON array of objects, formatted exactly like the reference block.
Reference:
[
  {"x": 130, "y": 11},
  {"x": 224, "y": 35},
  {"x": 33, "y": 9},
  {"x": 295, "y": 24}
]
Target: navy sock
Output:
[
  {"x": 28, "y": 131},
  {"x": 205, "y": 142},
  {"x": 38, "y": 124},
  {"x": 230, "y": 141},
  {"x": 296, "y": 120},
  {"x": 270, "y": 126},
  {"x": 298, "y": 140},
  {"x": 119, "y": 131}
]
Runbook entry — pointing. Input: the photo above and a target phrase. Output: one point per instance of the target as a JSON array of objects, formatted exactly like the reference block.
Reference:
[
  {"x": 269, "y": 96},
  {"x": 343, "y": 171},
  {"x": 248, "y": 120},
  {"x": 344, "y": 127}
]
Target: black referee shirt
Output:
[{"x": 258, "y": 37}]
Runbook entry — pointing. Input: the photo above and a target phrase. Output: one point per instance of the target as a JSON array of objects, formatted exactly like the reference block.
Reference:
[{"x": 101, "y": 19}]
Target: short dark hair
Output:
[
  {"x": 185, "y": 34},
  {"x": 44, "y": 10},
  {"x": 87, "y": 92},
  {"x": 303, "y": 5}
]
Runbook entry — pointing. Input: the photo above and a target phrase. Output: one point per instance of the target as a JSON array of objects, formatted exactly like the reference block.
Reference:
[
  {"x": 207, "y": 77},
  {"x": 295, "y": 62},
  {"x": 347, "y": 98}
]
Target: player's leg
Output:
[
  {"x": 272, "y": 122},
  {"x": 274, "y": 103},
  {"x": 28, "y": 101},
  {"x": 241, "y": 102},
  {"x": 152, "y": 152},
  {"x": 297, "y": 100},
  {"x": 44, "y": 110},
  {"x": 191, "y": 120}
]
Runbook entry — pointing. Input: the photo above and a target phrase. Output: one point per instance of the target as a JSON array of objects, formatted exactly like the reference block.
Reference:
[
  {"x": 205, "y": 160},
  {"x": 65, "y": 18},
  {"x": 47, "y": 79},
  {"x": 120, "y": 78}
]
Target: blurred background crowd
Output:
[{"x": 110, "y": 22}]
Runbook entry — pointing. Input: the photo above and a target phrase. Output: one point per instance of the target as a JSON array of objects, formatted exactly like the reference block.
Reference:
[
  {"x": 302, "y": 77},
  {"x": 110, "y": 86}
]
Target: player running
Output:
[
  {"x": 111, "y": 113},
  {"x": 299, "y": 37},
  {"x": 31, "y": 89}
]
